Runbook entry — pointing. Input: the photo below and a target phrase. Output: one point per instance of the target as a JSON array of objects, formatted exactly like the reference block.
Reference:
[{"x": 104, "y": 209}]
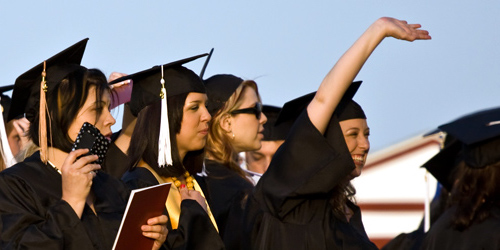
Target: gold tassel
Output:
[{"x": 42, "y": 126}]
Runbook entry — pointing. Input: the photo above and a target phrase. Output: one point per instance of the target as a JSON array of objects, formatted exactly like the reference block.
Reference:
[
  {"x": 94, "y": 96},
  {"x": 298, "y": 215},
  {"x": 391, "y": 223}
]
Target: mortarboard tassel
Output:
[
  {"x": 42, "y": 128},
  {"x": 6, "y": 153},
  {"x": 164, "y": 147}
]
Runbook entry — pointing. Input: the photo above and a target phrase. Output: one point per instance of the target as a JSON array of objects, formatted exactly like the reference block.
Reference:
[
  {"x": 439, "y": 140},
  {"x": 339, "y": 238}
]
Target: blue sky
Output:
[{"x": 286, "y": 46}]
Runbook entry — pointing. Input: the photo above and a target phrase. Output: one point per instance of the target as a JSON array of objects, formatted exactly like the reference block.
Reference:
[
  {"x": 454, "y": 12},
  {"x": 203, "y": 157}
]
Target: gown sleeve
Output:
[
  {"x": 307, "y": 166},
  {"x": 24, "y": 226},
  {"x": 195, "y": 230}
]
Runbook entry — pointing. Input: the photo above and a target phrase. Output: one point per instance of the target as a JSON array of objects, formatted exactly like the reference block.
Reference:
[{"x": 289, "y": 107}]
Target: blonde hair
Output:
[{"x": 219, "y": 144}]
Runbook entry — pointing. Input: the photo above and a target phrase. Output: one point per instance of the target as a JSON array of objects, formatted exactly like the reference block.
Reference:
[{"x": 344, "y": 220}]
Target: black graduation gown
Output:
[
  {"x": 290, "y": 208},
  {"x": 226, "y": 192},
  {"x": 33, "y": 216},
  {"x": 116, "y": 162},
  {"x": 484, "y": 235},
  {"x": 195, "y": 229}
]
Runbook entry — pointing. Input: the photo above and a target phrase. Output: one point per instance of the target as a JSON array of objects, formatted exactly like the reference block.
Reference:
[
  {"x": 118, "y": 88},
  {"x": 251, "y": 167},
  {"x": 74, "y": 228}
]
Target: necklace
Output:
[{"x": 188, "y": 178}]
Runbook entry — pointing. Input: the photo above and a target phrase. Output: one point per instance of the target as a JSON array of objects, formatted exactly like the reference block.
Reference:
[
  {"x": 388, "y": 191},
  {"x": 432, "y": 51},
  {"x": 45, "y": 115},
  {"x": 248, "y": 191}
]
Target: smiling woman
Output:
[{"x": 305, "y": 199}]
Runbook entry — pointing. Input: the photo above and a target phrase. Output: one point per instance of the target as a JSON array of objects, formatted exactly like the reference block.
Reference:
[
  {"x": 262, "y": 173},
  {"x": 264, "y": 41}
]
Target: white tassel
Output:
[
  {"x": 427, "y": 205},
  {"x": 164, "y": 147},
  {"x": 7, "y": 156}
]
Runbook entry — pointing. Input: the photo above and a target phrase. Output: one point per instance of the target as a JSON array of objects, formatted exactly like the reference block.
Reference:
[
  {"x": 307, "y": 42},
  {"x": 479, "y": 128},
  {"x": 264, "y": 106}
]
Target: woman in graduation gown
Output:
[
  {"x": 191, "y": 224},
  {"x": 237, "y": 125},
  {"x": 471, "y": 169},
  {"x": 302, "y": 201},
  {"x": 58, "y": 198}
]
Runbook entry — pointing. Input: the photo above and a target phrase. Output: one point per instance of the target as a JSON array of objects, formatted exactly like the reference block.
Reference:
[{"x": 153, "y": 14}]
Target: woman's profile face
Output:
[
  {"x": 247, "y": 128},
  {"x": 356, "y": 132},
  {"x": 88, "y": 113},
  {"x": 194, "y": 126}
]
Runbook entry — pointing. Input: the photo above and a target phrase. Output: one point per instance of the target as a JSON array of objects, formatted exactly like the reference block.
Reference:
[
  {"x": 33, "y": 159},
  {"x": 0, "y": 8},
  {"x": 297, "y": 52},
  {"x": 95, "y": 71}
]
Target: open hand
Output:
[
  {"x": 400, "y": 29},
  {"x": 122, "y": 90}
]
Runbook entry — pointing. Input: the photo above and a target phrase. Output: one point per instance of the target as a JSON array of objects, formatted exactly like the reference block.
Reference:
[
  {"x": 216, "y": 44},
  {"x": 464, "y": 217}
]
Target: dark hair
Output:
[
  {"x": 476, "y": 191},
  {"x": 342, "y": 193},
  {"x": 64, "y": 100},
  {"x": 144, "y": 141}
]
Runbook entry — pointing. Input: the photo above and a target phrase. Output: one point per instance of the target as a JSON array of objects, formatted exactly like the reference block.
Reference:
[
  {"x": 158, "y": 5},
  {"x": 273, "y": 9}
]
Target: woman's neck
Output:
[{"x": 57, "y": 157}]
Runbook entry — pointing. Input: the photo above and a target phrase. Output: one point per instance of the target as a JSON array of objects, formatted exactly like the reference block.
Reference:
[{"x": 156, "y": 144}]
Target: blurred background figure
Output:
[
  {"x": 257, "y": 162},
  {"x": 13, "y": 133},
  {"x": 471, "y": 169}
]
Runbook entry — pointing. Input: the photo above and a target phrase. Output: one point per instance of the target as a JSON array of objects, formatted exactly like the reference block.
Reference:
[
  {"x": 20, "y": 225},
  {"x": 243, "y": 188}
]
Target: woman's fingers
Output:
[
  {"x": 71, "y": 158},
  {"x": 156, "y": 229},
  {"x": 162, "y": 219}
]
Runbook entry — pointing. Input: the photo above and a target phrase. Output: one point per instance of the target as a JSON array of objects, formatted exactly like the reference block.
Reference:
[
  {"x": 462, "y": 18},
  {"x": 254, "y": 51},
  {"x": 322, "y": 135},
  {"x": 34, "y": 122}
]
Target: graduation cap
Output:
[
  {"x": 480, "y": 135},
  {"x": 444, "y": 162},
  {"x": 30, "y": 88},
  {"x": 26, "y": 95},
  {"x": 5, "y": 150},
  {"x": 474, "y": 139},
  {"x": 159, "y": 83},
  {"x": 5, "y": 100},
  {"x": 346, "y": 109},
  {"x": 147, "y": 87},
  {"x": 202, "y": 73},
  {"x": 219, "y": 89},
  {"x": 272, "y": 132}
]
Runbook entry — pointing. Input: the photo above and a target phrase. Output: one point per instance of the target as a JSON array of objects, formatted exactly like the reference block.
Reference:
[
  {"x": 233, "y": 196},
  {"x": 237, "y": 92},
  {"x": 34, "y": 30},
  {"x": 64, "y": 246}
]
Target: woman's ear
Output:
[{"x": 225, "y": 123}]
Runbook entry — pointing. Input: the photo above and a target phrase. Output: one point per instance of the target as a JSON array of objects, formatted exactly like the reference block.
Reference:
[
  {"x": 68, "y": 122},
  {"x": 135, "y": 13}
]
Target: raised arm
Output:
[{"x": 339, "y": 78}]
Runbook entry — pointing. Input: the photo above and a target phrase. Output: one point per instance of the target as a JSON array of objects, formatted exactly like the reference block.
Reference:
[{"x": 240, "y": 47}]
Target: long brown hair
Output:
[
  {"x": 219, "y": 145},
  {"x": 342, "y": 193},
  {"x": 476, "y": 191}
]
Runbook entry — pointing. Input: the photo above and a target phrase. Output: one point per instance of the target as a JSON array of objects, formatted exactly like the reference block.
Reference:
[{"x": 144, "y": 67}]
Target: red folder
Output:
[{"x": 143, "y": 204}]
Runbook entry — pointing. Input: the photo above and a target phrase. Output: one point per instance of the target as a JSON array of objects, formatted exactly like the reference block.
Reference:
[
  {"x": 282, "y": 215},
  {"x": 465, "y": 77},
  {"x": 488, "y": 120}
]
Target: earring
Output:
[{"x": 233, "y": 134}]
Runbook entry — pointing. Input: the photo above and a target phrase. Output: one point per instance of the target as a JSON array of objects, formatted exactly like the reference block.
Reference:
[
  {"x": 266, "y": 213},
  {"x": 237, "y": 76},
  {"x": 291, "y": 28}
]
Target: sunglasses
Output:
[{"x": 256, "y": 110}]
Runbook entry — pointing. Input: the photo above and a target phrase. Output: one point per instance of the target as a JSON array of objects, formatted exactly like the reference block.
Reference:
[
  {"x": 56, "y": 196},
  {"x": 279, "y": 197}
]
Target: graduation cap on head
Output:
[
  {"x": 26, "y": 95},
  {"x": 444, "y": 162},
  {"x": 272, "y": 132},
  {"x": 159, "y": 83},
  {"x": 346, "y": 109},
  {"x": 30, "y": 87},
  {"x": 474, "y": 139},
  {"x": 219, "y": 89},
  {"x": 480, "y": 135},
  {"x": 5, "y": 150},
  {"x": 147, "y": 86}
]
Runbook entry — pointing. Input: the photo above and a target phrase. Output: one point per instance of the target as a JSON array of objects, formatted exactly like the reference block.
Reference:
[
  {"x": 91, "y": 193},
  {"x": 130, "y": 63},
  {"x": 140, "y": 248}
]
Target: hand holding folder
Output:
[{"x": 143, "y": 204}]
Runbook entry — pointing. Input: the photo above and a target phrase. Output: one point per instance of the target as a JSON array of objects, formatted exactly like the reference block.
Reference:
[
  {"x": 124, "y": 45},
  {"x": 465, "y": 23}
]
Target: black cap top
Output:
[
  {"x": 5, "y": 101},
  {"x": 272, "y": 132},
  {"x": 147, "y": 87},
  {"x": 219, "y": 89},
  {"x": 474, "y": 139},
  {"x": 346, "y": 109},
  {"x": 26, "y": 95},
  {"x": 480, "y": 134}
]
